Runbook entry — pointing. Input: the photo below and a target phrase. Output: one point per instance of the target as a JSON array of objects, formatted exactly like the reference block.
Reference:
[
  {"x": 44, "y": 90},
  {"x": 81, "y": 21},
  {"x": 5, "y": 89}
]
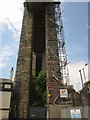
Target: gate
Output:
[{"x": 38, "y": 112}]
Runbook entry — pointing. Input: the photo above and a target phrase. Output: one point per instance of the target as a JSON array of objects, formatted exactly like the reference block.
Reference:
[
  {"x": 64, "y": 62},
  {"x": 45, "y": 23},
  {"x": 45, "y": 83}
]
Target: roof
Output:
[
  {"x": 5, "y": 80},
  {"x": 5, "y": 85}
]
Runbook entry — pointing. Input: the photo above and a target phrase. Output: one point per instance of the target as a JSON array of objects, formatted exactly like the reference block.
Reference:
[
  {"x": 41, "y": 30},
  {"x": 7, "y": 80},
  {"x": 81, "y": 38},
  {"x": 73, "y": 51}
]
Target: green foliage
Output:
[
  {"x": 86, "y": 89},
  {"x": 88, "y": 82},
  {"x": 41, "y": 82},
  {"x": 38, "y": 89}
]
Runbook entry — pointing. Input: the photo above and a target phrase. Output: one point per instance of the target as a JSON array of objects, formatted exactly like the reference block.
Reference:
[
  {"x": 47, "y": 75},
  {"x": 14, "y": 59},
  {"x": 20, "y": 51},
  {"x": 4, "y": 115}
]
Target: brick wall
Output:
[{"x": 52, "y": 58}]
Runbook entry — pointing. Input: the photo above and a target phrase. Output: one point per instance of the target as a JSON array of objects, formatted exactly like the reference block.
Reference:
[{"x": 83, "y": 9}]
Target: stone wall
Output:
[
  {"x": 24, "y": 62},
  {"x": 23, "y": 70}
]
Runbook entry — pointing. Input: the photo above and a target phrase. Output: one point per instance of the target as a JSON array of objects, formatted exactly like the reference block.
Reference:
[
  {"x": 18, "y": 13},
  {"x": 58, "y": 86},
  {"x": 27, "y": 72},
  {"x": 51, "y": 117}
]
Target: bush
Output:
[{"x": 38, "y": 89}]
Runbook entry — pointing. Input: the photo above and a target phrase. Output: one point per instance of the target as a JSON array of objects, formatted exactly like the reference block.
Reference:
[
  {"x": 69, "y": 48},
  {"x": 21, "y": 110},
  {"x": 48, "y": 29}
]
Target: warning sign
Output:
[
  {"x": 75, "y": 113},
  {"x": 63, "y": 93}
]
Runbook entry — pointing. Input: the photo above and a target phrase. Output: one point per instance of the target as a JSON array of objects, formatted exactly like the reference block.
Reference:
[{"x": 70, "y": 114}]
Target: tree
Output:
[{"x": 38, "y": 89}]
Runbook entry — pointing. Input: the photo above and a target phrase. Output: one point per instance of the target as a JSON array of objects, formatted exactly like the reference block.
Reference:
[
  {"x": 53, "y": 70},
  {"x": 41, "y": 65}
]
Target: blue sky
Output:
[
  {"x": 76, "y": 32},
  {"x": 9, "y": 51},
  {"x": 75, "y": 20}
]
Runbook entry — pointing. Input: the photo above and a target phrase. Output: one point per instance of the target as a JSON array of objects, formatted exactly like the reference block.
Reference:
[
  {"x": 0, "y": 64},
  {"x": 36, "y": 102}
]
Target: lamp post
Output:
[
  {"x": 83, "y": 112},
  {"x": 83, "y": 75},
  {"x": 11, "y": 74},
  {"x": 81, "y": 78},
  {"x": 84, "y": 72}
]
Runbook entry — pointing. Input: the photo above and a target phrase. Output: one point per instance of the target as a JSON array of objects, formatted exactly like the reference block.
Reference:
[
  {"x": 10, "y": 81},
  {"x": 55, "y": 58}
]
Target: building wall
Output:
[
  {"x": 65, "y": 112},
  {"x": 5, "y": 97},
  {"x": 5, "y": 103},
  {"x": 54, "y": 111}
]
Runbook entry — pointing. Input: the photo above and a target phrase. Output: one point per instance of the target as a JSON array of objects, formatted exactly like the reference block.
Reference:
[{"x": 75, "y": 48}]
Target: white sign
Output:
[
  {"x": 7, "y": 86},
  {"x": 63, "y": 93},
  {"x": 75, "y": 113}
]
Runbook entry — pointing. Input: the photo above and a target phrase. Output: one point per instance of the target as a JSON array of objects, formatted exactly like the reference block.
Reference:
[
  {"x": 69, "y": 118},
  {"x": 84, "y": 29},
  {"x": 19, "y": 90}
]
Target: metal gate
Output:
[{"x": 38, "y": 112}]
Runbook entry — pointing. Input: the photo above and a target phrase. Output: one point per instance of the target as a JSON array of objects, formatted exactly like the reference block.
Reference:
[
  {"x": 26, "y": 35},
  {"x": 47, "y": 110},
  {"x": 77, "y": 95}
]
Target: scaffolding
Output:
[
  {"x": 60, "y": 72},
  {"x": 61, "y": 48},
  {"x": 61, "y": 45}
]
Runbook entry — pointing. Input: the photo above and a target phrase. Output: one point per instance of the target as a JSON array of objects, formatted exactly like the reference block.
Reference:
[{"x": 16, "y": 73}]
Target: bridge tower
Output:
[{"x": 41, "y": 47}]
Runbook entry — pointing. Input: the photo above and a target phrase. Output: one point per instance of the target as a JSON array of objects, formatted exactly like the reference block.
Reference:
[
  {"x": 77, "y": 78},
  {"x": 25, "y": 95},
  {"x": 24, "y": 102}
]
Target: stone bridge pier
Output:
[{"x": 38, "y": 50}]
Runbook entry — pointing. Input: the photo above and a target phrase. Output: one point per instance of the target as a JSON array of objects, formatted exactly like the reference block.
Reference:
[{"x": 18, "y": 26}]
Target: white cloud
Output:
[
  {"x": 11, "y": 13},
  {"x": 2, "y": 64},
  {"x": 75, "y": 75},
  {"x": 5, "y": 53},
  {"x": 10, "y": 9}
]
